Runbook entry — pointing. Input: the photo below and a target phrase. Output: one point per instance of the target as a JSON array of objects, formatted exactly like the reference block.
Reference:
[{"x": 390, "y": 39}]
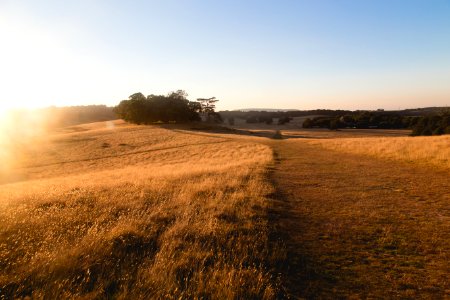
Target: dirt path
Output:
[{"x": 358, "y": 227}]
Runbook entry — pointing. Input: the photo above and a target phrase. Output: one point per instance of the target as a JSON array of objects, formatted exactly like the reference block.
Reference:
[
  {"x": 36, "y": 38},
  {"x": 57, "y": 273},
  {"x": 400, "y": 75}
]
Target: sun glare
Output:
[
  {"x": 19, "y": 128},
  {"x": 3, "y": 117}
]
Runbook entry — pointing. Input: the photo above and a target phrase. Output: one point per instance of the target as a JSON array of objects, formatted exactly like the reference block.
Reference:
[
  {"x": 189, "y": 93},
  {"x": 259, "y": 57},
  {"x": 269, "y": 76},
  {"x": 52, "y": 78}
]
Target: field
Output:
[
  {"x": 112, "y": 210},
  {"x": 136, "y": 212},
  {"x": 361, "y": 226},
  {"x": 424, "y": 151}
]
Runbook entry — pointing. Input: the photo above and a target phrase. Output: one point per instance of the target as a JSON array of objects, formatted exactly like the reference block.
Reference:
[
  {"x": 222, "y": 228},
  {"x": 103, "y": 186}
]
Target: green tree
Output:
[{"x": 174, "y": 107}]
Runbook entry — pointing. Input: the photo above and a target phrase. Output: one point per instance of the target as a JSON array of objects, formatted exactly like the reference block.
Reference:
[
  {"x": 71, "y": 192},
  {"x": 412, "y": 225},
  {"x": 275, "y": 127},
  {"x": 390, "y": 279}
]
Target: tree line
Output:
[
  {"x": 254, "y": 116},
  {"x": 173, "y": 107},
  {"x": 434, "y": 124},
  {"x": 261, "y": 116}
]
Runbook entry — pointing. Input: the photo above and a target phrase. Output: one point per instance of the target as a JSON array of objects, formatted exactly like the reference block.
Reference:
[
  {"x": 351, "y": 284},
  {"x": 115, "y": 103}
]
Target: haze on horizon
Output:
[{"x": 276, "y": 54}]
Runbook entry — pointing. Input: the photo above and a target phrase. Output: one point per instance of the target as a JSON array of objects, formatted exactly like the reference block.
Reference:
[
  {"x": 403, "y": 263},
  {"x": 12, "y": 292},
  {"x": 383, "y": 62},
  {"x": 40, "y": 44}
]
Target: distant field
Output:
[
  {"x": 432, "y": 151},
  {"x": 136, "y": 212},
  {"x": 294, "y": 129}
]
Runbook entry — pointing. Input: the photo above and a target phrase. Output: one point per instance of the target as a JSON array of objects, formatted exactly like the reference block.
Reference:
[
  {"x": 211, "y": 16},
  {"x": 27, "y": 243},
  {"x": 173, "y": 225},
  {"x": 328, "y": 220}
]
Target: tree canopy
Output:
[
  {"x": 174, "y": 107},
  {"x": 431, "y": 124}
]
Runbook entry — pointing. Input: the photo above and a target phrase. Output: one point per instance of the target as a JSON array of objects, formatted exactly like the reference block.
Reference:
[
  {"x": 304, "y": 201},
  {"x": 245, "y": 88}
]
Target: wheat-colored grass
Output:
[
  {"x": 431, "y": 151},
  {"x": 136, "y": 212}
]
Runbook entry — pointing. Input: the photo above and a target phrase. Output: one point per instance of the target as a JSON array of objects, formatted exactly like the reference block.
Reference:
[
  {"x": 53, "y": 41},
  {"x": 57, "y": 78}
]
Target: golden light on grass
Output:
[
  {"x": 137, "y": 212},
  {"x": 19, "y": 129},
  {"x": 5, "y": 142},
  {"x": 424, "y": 151}
]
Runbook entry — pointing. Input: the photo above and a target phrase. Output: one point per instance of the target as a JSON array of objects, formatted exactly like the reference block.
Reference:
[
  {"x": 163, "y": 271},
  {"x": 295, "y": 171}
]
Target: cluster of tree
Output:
[
  {"x": 256, "y": 115},
  {"x": 259, "y": 119},
  {"x": 284, "y": 120},
  {"x": 421, "y": 125},
  {"x": 432, "y": 125},
  {"x": 358, "y": 120},
  {"x": 174, "y": 107},
  {"x": 253, "y": 116},
  {"x": 267, "y": 119}
]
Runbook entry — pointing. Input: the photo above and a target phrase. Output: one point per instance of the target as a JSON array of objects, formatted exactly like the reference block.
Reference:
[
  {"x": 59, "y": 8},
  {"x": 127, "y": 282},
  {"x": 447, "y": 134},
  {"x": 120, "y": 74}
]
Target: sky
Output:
[{"x": 298, "y": 54}]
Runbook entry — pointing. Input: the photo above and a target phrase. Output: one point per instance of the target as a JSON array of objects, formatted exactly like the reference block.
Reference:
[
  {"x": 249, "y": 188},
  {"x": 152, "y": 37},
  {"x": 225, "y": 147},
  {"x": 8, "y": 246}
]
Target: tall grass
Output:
[
  {"x": 432, "y": 151},
  {"x": 155, "y": 214}
]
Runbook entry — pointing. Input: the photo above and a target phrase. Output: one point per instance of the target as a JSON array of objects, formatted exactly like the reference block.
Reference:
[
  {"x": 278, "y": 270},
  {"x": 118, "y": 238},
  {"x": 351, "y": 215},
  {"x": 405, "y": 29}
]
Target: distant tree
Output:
[
  {"x": 432, "y": 124},
  {"x": 179, "y": 94},
  {"x": 231, "y": 121},
  {"x": 307, "y": 123},
  {"x": 208, "y": 106},
  {"x": 334, "y": 124},
  {"x": 137, "y": 96},
  {"x": 174, "y": 107},
  {"x": 134, "y": 109},
  {"x": 252, "y": 119},
  {"x": 284, "y": 120}
]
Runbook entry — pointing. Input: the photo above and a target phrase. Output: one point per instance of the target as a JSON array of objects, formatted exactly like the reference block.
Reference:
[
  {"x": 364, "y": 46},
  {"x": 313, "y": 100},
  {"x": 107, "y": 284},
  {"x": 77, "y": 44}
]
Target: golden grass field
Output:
[
  {"x": 136, "y": 212},
  {"x": 113, "y": 210},
  {"x": 425, "y": 150}
]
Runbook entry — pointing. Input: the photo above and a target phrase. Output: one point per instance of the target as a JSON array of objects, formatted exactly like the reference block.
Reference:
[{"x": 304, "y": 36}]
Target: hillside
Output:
[{"x": 133, "y": 212}]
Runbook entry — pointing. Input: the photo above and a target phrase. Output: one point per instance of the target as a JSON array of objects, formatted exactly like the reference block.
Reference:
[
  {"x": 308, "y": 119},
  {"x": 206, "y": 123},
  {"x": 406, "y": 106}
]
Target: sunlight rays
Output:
[{"x": 19, "y": 129}]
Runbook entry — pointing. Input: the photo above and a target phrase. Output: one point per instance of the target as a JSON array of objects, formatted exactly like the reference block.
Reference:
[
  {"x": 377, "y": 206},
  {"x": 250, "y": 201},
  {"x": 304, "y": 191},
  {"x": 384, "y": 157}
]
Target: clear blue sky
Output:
[{"x": 271, "y": 54}]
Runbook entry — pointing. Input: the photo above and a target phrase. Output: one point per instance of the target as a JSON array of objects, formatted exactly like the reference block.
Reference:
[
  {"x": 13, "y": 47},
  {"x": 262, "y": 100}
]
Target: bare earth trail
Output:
[{"x": 360, "y": 227}]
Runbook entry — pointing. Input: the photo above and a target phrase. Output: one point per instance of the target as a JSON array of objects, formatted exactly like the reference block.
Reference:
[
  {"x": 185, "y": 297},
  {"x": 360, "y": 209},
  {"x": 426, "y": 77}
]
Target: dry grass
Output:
[
  {"x": 433, "y": 151},
  {"x": 136, "y": 212},
  {"x": 359, "y": 227}
]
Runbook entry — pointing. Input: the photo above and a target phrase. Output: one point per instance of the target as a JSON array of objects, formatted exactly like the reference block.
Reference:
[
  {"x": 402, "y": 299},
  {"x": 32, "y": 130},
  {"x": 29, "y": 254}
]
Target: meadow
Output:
[
  {"x": 424, "y": 151},
  {"x": 130, "y": 211},
  {"x": 113, "y": 210}
]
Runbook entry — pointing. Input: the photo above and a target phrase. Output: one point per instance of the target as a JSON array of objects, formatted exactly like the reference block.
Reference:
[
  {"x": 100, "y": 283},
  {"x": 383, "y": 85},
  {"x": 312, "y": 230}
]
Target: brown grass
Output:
[
  {"x": 362, "y": 227},
  {"x": 136, "y": 212},
  {"x": 433, "y": 151}
]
